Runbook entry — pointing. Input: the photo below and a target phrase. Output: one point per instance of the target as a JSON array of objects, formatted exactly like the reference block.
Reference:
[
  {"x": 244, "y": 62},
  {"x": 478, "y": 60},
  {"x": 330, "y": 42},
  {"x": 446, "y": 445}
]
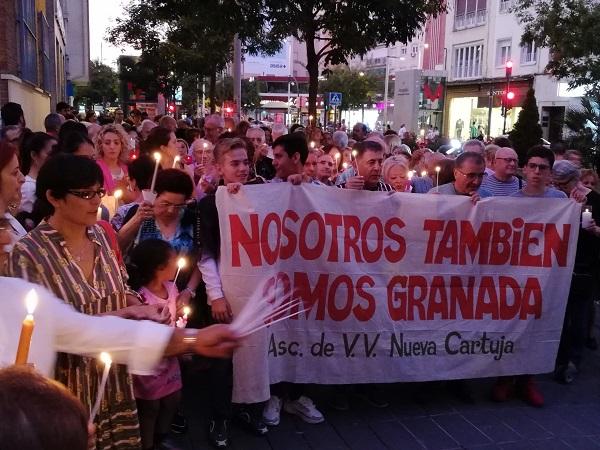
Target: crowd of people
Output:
[{"x": 97, "y": 211}]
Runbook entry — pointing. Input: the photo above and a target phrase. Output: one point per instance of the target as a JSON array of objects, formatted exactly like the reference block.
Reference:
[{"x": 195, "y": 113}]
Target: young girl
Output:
[{"x": 153, "y": 267}]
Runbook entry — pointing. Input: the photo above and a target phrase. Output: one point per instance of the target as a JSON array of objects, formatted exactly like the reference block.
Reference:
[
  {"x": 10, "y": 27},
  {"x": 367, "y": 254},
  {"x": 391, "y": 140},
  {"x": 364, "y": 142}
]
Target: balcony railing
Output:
[{"x": 470, "y": 19}]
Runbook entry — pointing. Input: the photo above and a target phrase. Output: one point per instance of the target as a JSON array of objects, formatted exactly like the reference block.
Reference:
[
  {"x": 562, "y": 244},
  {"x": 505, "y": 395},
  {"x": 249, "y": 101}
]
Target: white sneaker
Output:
[
  {"x": 305, "y": 409},
  {"x": 272, "y": 411}
]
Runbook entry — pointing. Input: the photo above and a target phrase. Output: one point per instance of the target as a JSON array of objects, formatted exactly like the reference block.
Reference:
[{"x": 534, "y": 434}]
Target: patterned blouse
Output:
[{"x": 42, "y": 257}]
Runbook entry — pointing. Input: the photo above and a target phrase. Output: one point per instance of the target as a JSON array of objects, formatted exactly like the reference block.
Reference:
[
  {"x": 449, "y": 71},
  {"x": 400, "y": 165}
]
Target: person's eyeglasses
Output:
[
  {"x": 471, "y": 176},
  {"x": 509, "y": 160},
  {"x": 167, "y": 205},
  {"x": 88, "y": 194},
  {"x": 542, "y": 167}
]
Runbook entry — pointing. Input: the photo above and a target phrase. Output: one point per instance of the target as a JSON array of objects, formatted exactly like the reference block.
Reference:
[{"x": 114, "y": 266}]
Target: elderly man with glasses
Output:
[
  {"x": 503, "y": 182},
  {"x": 469, "y": 169}
]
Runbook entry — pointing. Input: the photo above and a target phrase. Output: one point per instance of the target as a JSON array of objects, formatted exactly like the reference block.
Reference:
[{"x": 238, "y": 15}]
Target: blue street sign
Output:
[{"x": 335, "y": 98}]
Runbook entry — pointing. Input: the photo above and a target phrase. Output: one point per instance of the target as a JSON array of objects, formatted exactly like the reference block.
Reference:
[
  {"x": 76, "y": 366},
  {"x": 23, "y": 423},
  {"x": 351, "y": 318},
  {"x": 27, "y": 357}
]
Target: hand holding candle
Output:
[
  {"x": 107, "y": 360},
  {"x": 182, "y": 321},
  {"x": 31, "y": 301},
  {"x": 354, "y": 155},
  {"x": 586, "y": 217}
]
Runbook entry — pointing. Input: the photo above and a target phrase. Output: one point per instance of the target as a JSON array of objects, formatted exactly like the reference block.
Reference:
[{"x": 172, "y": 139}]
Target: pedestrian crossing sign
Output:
[{"x": 335, "y": 98}]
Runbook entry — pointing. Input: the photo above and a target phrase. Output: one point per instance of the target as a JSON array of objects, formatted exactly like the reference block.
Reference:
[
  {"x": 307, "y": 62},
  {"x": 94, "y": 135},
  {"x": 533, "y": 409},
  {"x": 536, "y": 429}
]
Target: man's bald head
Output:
[{"x": 506, "y": 163}]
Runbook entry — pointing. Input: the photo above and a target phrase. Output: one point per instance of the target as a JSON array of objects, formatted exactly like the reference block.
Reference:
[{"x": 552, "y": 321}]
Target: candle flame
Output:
[
  {"x": 424, "y": 173},
  {"x": 177, "y": 158},
  {"x": 157, "y": 156},
  {"x": 587, "y": 210},
  {"x": 118, "y": 193},
  {"x": 410, "y": 174},
  {"x": 438, "y": 168},
  {"x": 312, "y": 144},
  {"x": 105, "y": 358},
  {"x": 31, "y": 301},
  {"x": 181, "y": 262},
  {"x": 187, "y": 310},
  {"x": 345, "y": 165},
  {"x": 337, "y": 156},
  {"x": 354, "y": 153}
]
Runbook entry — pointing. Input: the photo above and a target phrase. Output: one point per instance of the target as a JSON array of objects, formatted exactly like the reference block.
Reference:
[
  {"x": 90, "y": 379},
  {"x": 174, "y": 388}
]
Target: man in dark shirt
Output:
[{"x": 369, "y": 161}]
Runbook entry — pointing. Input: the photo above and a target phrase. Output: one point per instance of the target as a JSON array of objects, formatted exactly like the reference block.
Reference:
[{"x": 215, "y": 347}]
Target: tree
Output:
[
  {"x": 570, "y": 29},
  {"x": 103, "y": 86},
  {"x": 584, "y": 123},
  {"x": 527, "y": 132},
  {"x": 250, "y": 95},
  {"x": 334, "y": 31},
  {"x": 190, "y": 37},
  {"x": 355, "y": 88}
]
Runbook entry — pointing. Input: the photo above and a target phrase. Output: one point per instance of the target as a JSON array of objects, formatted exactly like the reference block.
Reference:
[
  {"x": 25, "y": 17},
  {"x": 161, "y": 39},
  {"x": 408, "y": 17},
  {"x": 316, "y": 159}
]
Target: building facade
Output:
[
  {"x": 480, "y": 37},
  {"x": 34, "y": 61}
]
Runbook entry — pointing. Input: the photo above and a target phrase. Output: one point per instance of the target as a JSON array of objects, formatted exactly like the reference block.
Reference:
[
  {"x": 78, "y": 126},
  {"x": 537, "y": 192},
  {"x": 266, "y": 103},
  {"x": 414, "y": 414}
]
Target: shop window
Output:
[
  {"x": 467, "y": 61},
  {"x": 470, "y": 13},
  {"x": 503, "y": 52},
  {"x": 505, "y": 6},
  {"x": 44, "y": 27},
  {"x": 529, "y": 53},
  {"x": 28, "y": 53}
]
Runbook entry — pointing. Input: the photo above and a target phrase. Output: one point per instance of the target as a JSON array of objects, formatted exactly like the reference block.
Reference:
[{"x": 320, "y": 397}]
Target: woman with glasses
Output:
[{"x": 71, "y": 256}]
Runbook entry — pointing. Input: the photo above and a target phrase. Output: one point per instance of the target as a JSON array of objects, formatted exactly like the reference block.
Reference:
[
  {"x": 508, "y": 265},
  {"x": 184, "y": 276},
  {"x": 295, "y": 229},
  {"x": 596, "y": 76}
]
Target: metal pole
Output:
[
  {"x": 505, "y": 101},
  {"x": 237, "y": 76},
  {"x": 203, "y": 96},
  {"x": 385, "y": 89},
  {"x": 288, "y": 102},
  {"x": 490, "y": 106}
]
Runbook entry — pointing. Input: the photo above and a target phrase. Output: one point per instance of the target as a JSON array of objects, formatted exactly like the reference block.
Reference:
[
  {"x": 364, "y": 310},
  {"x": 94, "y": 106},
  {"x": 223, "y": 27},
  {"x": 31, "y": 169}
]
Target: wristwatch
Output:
[
  {"x": 190, "y": 339},
  {"x": 191, "y": 291}
]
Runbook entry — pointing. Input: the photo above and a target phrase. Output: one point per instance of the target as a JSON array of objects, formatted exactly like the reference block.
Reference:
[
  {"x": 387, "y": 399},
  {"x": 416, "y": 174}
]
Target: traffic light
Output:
[
  {"x": 171, "y": 107},
  {"x": 510, "y": 95},
  {"x": 508, "y": 66}
]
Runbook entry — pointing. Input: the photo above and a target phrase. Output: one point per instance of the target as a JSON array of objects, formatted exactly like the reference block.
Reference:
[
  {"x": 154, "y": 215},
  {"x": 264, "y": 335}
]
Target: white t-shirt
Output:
[
  {"x": 27, "y": 194},
  {"x": 59, "y": 328}
]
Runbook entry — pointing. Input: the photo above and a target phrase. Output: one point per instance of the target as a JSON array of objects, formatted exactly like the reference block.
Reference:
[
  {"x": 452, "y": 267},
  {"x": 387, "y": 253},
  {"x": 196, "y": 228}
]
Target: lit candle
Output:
[
  {"x": 106, "y": 359},
  {"x": 410, "y": 174},
  {"x": 437, "y": 178},
  {"x": 157, "y": 159},
  {"x": 181, "y": 262},
  {"x": 312, "y": 144},
  {"x": 99, "y": 214},
  {"x": 586, "y": 218},
  {"x": 204, "y": 147},
  {"x": 118, "y": 194},
  {"x": 353, "y": 158},
  {"x": 424, "y": 173},
  {"x": 176, "y": 161},
  {"x": 182, "y": 321},
  {"x": 31, "y": 301},
  {"x": 345, "y": 165}
]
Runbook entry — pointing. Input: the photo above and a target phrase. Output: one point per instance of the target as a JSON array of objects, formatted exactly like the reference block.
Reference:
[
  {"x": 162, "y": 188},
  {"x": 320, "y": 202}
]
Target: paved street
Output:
[{"x": 570, "y": 420}]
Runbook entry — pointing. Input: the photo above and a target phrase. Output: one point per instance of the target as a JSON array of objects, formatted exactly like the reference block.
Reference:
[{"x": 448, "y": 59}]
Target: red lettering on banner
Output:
[
  {"x": 496, "y": 243},
  {"x": 351, "y": 223},
  {"x": 307, "y": 253},
  {"x": 311, "y": 297},
  {"x": 364, "y": 313},
  {"x": 287, "y": 250},
  {"x": 456, "y": 297},
  {"x": 433, "y": 226},
  {"x": 500, "y": 244},
  {"x": 555, "y": 245},
  {"x": 396, "y": 255},
  {"x": 240, "y": 237},
  {"x": 270, "y": 255},
  {"x": 372, "y": 256},
  {"x": 474, "y": 242},
  {"x": 340, "y": 313},
  {"x": 333, "y": 221}
]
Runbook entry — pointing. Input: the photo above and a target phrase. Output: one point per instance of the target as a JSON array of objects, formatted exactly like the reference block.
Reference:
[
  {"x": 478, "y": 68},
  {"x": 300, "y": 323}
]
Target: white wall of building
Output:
[{"x": 76, "y": 14}]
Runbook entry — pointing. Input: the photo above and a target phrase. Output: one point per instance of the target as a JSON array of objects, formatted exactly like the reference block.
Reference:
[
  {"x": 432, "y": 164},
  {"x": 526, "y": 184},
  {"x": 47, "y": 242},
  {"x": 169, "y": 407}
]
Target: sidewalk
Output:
[{"x": 569, "y": 420}]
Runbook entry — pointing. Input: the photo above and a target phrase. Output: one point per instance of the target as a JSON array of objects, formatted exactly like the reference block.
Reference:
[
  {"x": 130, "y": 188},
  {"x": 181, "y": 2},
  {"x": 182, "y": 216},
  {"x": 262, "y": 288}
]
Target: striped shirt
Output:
[
  {"x": 42, "y": 257},
  {"x": 500, "y": 188}
]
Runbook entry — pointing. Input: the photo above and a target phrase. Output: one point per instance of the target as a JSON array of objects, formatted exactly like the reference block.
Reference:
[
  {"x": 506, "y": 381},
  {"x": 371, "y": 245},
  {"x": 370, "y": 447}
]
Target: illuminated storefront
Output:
[{"x": 476, "y": 109}]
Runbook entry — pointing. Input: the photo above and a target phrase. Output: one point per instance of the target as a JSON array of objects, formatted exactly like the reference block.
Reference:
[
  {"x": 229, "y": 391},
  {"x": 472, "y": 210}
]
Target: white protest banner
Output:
[{"x": 399, "y": 287}]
